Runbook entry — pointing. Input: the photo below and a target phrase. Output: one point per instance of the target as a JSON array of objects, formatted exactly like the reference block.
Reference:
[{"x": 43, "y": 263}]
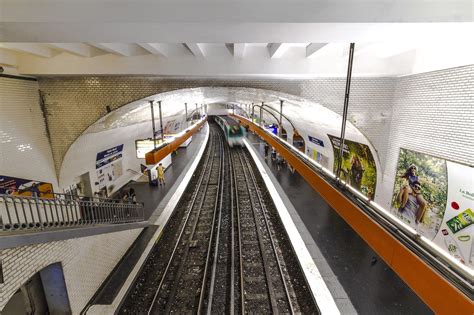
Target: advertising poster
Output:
[
  {"x": 109, "y": 165},
  {"x": 317, "y": 156},
  {"x": 172, "y": 126},
  {"x": 358, "y": 165},
  {"x": 25, "y": 187},
  {"x": 436, "y": 198}
]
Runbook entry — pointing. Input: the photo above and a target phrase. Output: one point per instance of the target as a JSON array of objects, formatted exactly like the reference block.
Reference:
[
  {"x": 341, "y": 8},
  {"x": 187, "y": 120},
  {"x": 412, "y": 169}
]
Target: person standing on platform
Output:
[
  {"x": 35, "y": 192},
  {"x": 266, "y": 148},
  {"x": 274, "y": 155},
  {"x": 161, "y": 174}
]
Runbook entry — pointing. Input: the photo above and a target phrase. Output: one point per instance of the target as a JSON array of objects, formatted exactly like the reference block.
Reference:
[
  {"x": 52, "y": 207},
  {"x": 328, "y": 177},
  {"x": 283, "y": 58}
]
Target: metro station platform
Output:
[
  {"x": 355, "y": 275},
  {"x": 155, "y": 199},
  {"x": 151, "y": 196}
]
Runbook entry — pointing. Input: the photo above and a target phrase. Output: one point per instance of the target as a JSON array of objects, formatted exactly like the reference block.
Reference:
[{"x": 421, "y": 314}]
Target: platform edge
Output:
[
  {"x": 319, "y": 289},
  {"x": 161, "y": 221}
]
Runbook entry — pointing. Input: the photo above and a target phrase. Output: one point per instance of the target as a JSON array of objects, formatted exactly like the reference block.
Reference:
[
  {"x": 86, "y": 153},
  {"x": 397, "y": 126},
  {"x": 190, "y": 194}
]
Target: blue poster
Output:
[
  {"x": 108, "y": 156},
  {"x": 25, "y": 187},
  {"x": 272, "y": 128}
]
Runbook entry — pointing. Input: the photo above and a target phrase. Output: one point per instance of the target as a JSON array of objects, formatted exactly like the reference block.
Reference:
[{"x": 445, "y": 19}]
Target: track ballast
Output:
[{"x": 224, "y": 249}]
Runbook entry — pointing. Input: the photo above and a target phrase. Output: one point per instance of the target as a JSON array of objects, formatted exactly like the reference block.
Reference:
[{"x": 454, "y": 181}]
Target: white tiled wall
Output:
[
  {"x": 432, "y": 113},
  {"x": 74, "y": 103},
  {"x": 370, "y": 105},
  {"x": 436, "y": 106},
  {"x": 25, "y": 150},
  {"x": 86, "y": 262}
]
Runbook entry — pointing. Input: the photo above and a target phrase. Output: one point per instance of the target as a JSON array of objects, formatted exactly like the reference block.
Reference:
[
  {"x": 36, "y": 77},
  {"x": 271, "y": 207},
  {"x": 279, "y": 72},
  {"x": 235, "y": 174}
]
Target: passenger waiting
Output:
[{"x": 161, "y": 174}]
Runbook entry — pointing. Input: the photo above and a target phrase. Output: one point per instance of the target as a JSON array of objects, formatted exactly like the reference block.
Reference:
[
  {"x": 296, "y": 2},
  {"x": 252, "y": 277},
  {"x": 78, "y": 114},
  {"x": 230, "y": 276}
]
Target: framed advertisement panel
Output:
[
  {"x": 15, "y": 186},
  {"x": 358, "y": 165},
  {"x": 435, "y": 196}
]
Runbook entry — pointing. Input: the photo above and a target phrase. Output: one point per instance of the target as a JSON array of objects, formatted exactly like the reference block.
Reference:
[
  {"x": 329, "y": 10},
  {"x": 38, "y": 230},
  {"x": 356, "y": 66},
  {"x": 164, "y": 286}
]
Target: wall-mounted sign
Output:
[
  {"x": 143, "y": 146},
  {"x": 436, "y": 197},
  {"x": 25, "y": 187},
  {"x": 358, "y": 165},
  {"x": 108, "y": 165},
  {"x": 316, "y": 141},
  {"x": 272, "y": 128},
  {"x": 317, "y": 156}
]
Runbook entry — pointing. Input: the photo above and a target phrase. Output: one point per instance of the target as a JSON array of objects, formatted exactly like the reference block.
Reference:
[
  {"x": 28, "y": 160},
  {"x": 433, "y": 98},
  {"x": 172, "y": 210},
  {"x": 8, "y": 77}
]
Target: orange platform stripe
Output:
[
  {"x": 153, "y": 157},
  {"x": 435, "y": 290}
]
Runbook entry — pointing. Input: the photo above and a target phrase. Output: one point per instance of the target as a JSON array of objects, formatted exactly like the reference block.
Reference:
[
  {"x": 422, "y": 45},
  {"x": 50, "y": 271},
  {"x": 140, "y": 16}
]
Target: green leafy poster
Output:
[{"x": 358, "y": 165}]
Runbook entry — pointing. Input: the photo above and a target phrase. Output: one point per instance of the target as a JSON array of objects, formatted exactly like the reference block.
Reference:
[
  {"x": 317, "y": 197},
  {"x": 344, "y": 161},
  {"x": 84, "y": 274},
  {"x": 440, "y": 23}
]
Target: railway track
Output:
[
  {"x": 182, "y": 284},
  {"x": 262, "y": 278},
  {"x": 227, "y": 254}
]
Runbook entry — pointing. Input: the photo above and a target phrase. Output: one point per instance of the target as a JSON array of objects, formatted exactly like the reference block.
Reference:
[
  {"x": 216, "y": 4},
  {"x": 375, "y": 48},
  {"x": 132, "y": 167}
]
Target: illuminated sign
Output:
[{"x": 143, "y": 146}]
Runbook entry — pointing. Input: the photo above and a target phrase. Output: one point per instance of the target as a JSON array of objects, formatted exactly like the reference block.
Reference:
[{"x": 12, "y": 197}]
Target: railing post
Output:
[
  {"x": 47, "y": 213},
  {"x": 161, "y": 123},
  {"x": 281, "y": 115},
  {"x": 153, "y": 123},
  {"x": 346, "y": 105},
  {"x": 186, "y": 114}
]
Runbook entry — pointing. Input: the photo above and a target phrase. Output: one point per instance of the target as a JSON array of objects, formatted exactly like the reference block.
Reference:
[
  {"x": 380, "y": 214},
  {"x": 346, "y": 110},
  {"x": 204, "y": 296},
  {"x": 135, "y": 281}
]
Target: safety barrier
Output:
[
  {"x": 156, "y": 155},
  {"x": 32, "y": 213},
  {"x": 427, "y": 271}
]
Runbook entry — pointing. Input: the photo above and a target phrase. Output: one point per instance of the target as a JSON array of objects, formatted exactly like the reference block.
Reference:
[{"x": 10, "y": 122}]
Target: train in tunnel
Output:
[{"x": 233, "y": 131}]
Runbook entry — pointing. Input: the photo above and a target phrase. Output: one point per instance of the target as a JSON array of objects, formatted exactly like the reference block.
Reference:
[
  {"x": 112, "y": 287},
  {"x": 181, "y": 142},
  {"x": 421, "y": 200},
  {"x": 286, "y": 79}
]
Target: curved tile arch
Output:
[{"x": 310, "y": 119}]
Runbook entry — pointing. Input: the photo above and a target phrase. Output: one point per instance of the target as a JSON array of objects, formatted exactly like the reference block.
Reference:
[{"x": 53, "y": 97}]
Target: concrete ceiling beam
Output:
[
  {"x": 30, "y": 48},
  {"x": 312, "y": 48},
  {"x": 120, "y": 49},
  {"x": 78, "y": 49},
  {"x": 276, "y": 50},
  {"x": 239, "y": 11},
  {"x": 230, "y": 32},
  {"x": 154, "y": 48},
  {"x": 195, "y": 49},
  {"x": 239, "y": 50},
  {"x": 8, "y": 58}
]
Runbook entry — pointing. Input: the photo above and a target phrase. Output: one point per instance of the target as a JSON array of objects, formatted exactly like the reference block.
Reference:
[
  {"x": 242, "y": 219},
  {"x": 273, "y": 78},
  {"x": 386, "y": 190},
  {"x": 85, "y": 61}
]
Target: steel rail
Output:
[
  {"x": 184, "y": 258},
  {"x": 219, "y": 199},
  {"x": 232, "y": 235},
  {"x": 191, "y": 206},
  {"x": 239, "y": 232},
  {"x": 263, "y": 207},
  {"x": 216, "y": 248},
  {"x": 271, "y": 291}
]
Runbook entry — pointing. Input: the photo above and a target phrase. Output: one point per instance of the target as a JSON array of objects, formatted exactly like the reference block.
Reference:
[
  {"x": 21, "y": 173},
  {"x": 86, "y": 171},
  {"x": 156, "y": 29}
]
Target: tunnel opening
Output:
[
  {"x": 44, "y": 293},
  {"x": 298, "y": 142}
]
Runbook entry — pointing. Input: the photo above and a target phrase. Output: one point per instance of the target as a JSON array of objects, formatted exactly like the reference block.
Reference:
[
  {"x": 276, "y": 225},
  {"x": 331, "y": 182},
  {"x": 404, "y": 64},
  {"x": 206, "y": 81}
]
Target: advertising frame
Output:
[{"x": 443, "y": 237}]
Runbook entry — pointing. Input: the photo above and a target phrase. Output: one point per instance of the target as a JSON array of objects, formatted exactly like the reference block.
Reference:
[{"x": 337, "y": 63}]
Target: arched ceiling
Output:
[{"x": 301, "y": 111}]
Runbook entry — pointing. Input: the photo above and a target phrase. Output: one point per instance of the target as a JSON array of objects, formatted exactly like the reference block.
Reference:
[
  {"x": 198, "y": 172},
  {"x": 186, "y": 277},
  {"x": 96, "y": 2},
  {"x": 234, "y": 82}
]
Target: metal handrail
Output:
[
  {"x": 33, "y": 213},
  {"x": 457, "y": 274},
  {"x": 74, "y": 196}
]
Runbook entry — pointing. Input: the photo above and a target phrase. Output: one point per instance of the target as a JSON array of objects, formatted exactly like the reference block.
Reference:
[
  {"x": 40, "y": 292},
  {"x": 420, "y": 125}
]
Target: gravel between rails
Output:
[{"x": 207, "y": 270}]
